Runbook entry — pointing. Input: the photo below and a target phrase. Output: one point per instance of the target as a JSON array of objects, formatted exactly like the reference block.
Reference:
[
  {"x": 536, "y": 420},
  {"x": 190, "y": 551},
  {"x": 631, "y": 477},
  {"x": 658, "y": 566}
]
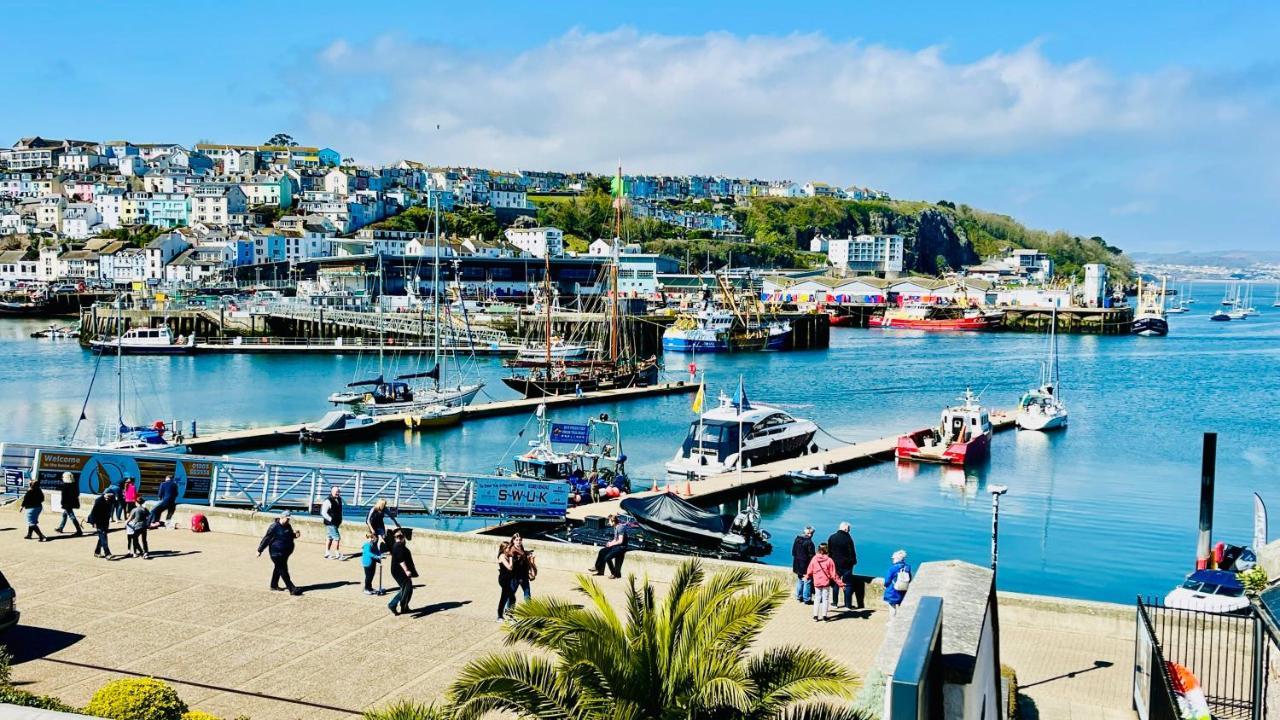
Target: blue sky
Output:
[{"x": 1153, "y": 124}]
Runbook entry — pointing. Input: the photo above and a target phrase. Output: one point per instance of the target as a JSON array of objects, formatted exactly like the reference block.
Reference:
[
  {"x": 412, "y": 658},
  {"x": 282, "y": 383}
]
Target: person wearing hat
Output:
[
  {"x": 32, "y": 504},
  {"x": 279, "y": 542},
  {"x": 70, "y": 491},
  {"x": 100, "y": 520}
]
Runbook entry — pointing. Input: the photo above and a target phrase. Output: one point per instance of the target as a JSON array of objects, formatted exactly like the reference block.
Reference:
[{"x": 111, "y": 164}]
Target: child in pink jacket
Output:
[{"x": 822, "y": 571}]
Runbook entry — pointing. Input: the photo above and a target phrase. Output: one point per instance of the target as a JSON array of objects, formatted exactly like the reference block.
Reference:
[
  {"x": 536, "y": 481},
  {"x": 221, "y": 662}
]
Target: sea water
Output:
[{"x": 1106, "y": 509}]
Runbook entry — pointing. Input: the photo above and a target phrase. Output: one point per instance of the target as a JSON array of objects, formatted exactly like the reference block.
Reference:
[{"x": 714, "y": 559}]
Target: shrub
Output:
[
  {"x": 136, "y": 699},
  {"x": 22, "y": 698},
  {"x": 6, "y": 673},
  {"x": 408, "y": 710},
  {"x": 198, "y": 715},
  {"x": 870, "y": 698},
  {"x": 1010, "y": 700},
  {"x": 1254, "y": 581}
]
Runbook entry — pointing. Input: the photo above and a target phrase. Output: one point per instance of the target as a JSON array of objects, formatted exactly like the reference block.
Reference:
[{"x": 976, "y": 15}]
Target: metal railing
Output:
[{"x": 400, "y": 323}]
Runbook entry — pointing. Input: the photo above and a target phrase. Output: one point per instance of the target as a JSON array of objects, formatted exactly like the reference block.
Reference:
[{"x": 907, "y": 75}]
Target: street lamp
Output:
[{"x": 996, "y": 491}]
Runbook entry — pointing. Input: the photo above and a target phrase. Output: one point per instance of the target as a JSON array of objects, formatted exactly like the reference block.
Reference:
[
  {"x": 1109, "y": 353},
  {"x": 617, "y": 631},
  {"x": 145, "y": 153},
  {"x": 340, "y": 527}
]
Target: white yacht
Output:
[
  {"x": 560, "y": 349},
  {"x": 738, "y": 430},
  {"x": 146, "y": 341},
  {"x": 1042, "y": 408}
]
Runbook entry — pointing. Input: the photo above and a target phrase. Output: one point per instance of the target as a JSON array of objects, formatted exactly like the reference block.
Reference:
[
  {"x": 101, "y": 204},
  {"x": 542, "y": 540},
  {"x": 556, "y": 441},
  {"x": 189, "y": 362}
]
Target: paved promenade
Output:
[{"x": 199, "y": 615}]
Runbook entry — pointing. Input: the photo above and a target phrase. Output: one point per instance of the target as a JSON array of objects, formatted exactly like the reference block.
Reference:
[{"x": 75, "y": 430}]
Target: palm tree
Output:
[{"x": 685, "y": 656}]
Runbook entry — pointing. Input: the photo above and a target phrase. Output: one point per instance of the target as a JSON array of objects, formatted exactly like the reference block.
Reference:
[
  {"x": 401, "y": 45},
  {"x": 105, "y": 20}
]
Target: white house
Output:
[
  {"x": 80, "y": 159},
  {"x": 537, "y": 241},
  {"x": 108, "y": 202},
  {"x": 273, "y": 190},
  {"x": 337, "y": 182},
  {"x": 50, "y": 269},
  {"x": 195, "y": 264},
  {"x": 129, "y": 266},
  {"x": 49, "y": 212},
  {"x": 867, "y": 253},
  {"x": 80, "y": 220},
  {"x": 161, "y": 250},
  {"x": 16, "y": 267},
  {"x": 218, "y": 204},
  {"x": 509, "y": 197}
]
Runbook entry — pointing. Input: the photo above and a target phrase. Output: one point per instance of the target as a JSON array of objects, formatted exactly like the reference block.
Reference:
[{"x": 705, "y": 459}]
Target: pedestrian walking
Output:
[
  {"x": 135, "y": 527},
  {"x": 896, "y": 581},
  {"x": 130, "y": 496},
  {"x": 612, "y": 554},
  {"x": 278, "y": 540},
  {"x": 822, "y": 571},
  {"x": 70, "y": 496},
  {"x": 116, "y": 486},
  {"x": 506, "y": 582},
  {"x": 166, "y": 501},
  {"x": 32, "y": 505},
  {"x": 403, "y": 572},
  {"x": 331, "y": 512},
  {"x": 524, "y": 568},
  {"x": 376, "y": 520},
  {"x": 845, "y": 555},
  {"x": 370, "y": 558},
  {"x": 99, "y": 519},
  {"x": 802, "y": 551}
]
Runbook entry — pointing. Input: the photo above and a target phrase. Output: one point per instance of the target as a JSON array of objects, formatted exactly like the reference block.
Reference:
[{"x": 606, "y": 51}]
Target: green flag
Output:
[{"x": 618, "y": 187}]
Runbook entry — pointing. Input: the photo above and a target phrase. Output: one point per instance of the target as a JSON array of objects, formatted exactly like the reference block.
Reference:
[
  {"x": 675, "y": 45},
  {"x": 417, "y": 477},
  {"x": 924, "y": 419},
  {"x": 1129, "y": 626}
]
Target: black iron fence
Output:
[{"x": 1226, "y": 653}]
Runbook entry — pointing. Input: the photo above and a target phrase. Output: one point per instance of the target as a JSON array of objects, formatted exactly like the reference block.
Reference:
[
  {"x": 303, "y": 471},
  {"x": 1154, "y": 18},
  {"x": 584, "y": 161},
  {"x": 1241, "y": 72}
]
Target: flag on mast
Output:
[
  {"x": 700, "y": 397},
  {"x": 741, "y": 399}
]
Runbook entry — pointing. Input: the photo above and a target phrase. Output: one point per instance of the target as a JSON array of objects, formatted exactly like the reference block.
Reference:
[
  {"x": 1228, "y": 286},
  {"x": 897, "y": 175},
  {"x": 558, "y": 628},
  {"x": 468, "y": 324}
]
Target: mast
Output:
[
  {"x": 382, "y": 339},
  {"x": 613, "y": 270},
  {"x": 435, "y": 298},
  {"x": 119, "y": 360},
  {"x": 546, "y": 299}
]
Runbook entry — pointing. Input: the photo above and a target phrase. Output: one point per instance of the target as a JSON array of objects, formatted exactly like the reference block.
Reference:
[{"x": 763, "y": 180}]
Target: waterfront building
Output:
[
  {"x": 195, "y": 264},
  {"x": 537, "y": 241},
  {"x": 1021, "y": 265},
  {"x": 161, "y": 250},
  {"x": 18, "y": 266},
  {"x": 865, "y": 253},
  {"x": 49, "y": 269},
  {"x": 1095, "y": 285}
]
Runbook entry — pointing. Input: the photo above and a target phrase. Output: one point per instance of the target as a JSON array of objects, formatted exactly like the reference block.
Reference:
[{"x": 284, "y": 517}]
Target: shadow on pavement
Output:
[
  {"x": 327, "y": 586},
  {"x": 1097, "y": 665},
  {"x": 27, "y": 643},
  {"x": 426, "y": 610}
]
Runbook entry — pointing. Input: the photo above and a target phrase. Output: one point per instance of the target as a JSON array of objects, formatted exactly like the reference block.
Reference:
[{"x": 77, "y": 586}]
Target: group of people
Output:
[
  {"x": 595, "y": 486},
  {"x": 516, "y": 569},
  {"x": 121, "y": 501},
  {"x": 824, "y": 569}
]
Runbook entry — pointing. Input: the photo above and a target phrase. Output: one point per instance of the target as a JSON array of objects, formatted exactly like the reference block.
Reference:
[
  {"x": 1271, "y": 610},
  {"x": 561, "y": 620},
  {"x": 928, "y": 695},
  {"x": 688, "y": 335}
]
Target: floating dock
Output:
[
  {"x": 284, "y": 434},
  {"x": 338, "y": 346},
  {"x": 729, "y": 485}
]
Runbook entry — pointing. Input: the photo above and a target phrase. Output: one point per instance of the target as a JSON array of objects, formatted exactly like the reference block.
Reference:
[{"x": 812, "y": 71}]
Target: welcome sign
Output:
[{"x": 524, "y": 498}]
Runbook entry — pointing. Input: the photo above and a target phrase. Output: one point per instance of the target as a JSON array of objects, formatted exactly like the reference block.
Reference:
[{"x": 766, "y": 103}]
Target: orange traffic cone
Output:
[{"x": 688, "y": 489}]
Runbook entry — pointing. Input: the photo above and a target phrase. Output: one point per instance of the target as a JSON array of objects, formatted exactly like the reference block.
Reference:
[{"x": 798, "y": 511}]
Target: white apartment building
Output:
[
  {"x": 80, "y": 220},
  {"x": 109, "y": 203},
  {"x": 16, "y": 267},
  {"x": 867, "y": 253},
  {"x": 218, "y": 204},
  {"x": 49, "y": 212},
  {"x": 509, "y": 197},
  {"x": 537, "y": 241},
  {"x": 161, "y": 250}
]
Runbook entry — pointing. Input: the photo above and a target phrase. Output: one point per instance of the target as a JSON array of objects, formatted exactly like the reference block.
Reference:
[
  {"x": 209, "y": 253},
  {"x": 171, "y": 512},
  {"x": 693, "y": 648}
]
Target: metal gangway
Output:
[
  {"x": 453, "y": 331},
  {"x": 267, "y": 485}
]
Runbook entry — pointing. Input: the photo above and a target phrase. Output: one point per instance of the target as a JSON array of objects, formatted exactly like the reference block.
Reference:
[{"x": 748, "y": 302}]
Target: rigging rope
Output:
[
  {"x": 87, "y": 395},
  {"x": 833, "y": 437}
]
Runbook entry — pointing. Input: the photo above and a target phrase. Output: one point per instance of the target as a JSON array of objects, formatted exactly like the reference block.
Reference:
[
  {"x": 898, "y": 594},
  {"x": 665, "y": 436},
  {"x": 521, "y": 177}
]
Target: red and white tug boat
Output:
[
  {"x": 964, "y": 435},
  {"x": 927, "y": 317}
]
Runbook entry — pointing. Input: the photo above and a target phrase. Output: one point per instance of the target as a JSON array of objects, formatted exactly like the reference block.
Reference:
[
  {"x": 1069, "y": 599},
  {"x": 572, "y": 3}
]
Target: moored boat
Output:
[
  {"x": 1149, "y": 320},
  {"x": 435, "y": 417},
  {"x": 926, "y": 317},
  {"x": 813, "y": 477},
  {"x": 146, "y": 341},
  {"x": 738, "y": 432},
  {"x": 963, "y": 436},
  {"x": 1042, "y": 408},
  {"x": 680, "y": 521},
  {"x": 338, "y": 426}
]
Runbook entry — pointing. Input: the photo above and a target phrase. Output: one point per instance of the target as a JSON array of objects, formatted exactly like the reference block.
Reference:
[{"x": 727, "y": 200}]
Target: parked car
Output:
[
  {"x": 1215, "y": 591},
  {"x": 8, "y": 604}
]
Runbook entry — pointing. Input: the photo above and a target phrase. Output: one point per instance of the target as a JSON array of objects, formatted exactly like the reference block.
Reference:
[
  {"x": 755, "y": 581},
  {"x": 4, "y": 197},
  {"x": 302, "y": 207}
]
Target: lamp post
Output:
[{"x": 996, "y": 491}]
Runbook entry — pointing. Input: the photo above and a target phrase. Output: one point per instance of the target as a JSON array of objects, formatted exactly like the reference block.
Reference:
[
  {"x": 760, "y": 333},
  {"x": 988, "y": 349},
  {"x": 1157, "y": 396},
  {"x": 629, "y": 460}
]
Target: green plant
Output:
[
  {"x": 870, "y": 697},
  {"x": 685, "y": 655},
  {"x": 198, "y": 715},
  {"x": 408, "y": 710},
  {"x": 1008, "y": 674},
  {"x": 6, "y": 671},
  {"x": 22, "y": 698},
  {"x": 136, "y": 699},
  {"x": 1254, "y": 580}
]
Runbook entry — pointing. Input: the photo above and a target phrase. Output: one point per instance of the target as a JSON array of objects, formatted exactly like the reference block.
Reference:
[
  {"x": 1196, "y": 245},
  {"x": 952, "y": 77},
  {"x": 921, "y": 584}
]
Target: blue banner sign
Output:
[
  {"x": 526, "y": 498},
  {"x": 570, "y": 434}
]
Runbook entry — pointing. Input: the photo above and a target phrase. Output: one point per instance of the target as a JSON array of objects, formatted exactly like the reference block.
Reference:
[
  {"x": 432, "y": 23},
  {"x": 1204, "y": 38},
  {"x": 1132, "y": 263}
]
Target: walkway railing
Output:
[{"x": 415, "y": 324}]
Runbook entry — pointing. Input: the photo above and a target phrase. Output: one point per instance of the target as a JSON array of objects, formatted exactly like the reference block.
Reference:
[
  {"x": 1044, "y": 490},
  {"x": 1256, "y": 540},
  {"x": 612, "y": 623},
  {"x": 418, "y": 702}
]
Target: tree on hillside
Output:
[
  {"x": 683, "y": 656},
  {"x": 281, "y": 140}
]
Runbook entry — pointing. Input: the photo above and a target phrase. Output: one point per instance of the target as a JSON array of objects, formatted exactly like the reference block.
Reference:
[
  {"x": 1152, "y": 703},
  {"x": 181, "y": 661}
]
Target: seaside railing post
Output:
[
  {"x": 400, "y": 477},
  {"x": 435, "y": 493},
  {"x": 1208, "y": 470},
  {"x": 311, "y": 496},
  {"x": 213, "y": 484}
]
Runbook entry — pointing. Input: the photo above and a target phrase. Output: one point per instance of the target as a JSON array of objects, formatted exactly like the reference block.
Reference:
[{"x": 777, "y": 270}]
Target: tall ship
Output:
[
  {"x": 1150, "y": 317},
  {"x": 962, "y": 436},
  {"x": 567, "y": 366},
  {"x": 740, "y": 434},
  {"x": 731, "y": 325},
  {"x": 931, "y": 317}
]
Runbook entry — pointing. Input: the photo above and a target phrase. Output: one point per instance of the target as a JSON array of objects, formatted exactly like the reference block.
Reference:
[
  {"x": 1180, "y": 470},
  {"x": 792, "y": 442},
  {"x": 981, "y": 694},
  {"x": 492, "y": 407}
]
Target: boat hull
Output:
[
  {"x": 913, "y": 447},
  {"x": 1151, "y": 326},
  {"x": 981, "y": 322},
  {"x": 110, "y": 347},
  {"x": 458, "y": 398},
  {"x": 531, "y": 386},
  {"x": 779, "y": 448},
  {"x": 1041, "y": 421},
  {"x": 708, "y": 343}
]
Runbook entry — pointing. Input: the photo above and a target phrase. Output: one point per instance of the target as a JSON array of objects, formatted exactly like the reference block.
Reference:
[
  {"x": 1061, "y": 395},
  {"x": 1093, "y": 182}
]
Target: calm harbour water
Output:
[{"x": 1104, "y": 510}]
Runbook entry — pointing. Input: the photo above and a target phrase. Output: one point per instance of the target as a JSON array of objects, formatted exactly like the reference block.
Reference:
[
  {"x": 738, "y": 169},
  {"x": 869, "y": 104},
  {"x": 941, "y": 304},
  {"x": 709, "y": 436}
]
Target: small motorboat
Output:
[
  {"x": 146, "y": 341},
  {"x": 768, "y": 434},
  {"x": 668, "y": 516},
  {"x": 338, "y": 426},
  {"x": 813, "y": 477},
  {"x": 964, "y": 435},
  {"x": 1215, "y": 591},
  {"x": 439, "y": 416},
  {"x": 1220, "y": 316},
  {"x": 57, "y": 332}
]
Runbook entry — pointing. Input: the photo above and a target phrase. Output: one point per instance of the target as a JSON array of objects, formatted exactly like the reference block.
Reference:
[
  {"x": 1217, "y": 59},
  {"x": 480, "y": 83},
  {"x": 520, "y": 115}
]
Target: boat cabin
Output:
[
  {"x": 964, "y": 422},
  {"x": 541, "y": 463},
  {"x": 392, "y": 392}
]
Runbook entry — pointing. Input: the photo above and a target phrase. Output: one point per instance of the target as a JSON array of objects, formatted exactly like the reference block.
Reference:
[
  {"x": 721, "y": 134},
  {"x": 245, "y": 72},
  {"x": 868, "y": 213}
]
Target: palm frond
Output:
[
  {"x": 825, "y": 711},
  {"x": 788, "y": 675},
  {"x": 509, "y": 681},
  {"x": 408, "y": 710}
]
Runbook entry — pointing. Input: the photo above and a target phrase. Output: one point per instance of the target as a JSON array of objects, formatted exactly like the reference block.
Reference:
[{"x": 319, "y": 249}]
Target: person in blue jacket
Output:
[
  {"x": 896, "y": 581},
  {"x": 166, "y": 500}
]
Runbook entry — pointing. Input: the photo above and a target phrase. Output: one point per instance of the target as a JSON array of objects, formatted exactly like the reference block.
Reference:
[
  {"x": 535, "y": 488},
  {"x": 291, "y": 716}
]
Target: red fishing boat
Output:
[
  {"x": 835, "y": 319},
  {"x": 964, "y": 435},
  {"x": 928, "y": 317}
]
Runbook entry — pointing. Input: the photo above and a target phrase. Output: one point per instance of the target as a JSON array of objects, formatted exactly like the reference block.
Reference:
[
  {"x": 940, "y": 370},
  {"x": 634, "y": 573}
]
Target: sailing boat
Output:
[
  {"x": 398, "y": 395},
  {"x": 1276, "y": 302},
  {"x": 137, "y": 438},
  {"x": 1042, "y": 408},
  {"x": 611, "y": 367},
  {"x": 1179, "y": 306},
  {"x": 1150, "y": 318},
  {"x": 1248, "y": 308}
]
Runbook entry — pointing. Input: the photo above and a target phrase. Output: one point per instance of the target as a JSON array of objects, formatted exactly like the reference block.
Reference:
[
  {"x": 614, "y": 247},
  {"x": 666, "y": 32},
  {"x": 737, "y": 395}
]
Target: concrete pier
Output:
[
  {"x": 282, "y": 434},
  {"x": 199, "y": 615},
  {"x": 729, "y": 485}
]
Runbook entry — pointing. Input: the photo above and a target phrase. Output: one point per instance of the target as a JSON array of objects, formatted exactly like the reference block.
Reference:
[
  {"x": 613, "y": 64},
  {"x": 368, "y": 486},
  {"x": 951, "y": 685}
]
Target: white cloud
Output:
[{"x": 719, "y": 102}]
